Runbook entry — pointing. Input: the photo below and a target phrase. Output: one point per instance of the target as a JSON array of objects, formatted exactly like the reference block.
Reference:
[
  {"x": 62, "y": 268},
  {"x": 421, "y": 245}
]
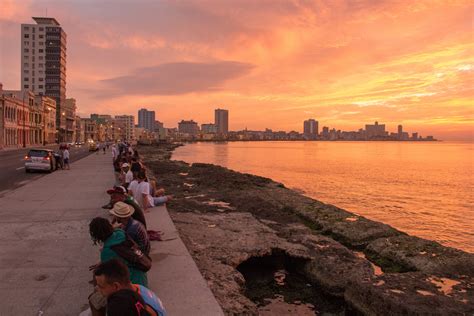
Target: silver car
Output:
[{"x": 40, "y": 159}]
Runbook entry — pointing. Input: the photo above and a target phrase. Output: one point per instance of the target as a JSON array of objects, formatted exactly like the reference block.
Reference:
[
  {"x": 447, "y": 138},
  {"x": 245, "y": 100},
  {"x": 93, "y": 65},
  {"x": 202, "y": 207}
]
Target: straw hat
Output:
[{"x": 122, "y": 210}]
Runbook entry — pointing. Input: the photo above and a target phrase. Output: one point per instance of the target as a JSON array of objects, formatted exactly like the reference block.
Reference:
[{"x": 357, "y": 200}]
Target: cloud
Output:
[{"x": 176, "y": 78}]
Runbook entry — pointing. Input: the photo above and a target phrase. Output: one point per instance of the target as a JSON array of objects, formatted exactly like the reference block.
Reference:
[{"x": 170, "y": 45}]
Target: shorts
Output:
[{"x": 66, "y": 160}]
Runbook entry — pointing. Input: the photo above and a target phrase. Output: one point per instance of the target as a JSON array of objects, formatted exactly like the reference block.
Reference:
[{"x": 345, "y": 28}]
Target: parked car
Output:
[
  {"x": 93, "y": 146},
  {"x": 40, "y": 159}
]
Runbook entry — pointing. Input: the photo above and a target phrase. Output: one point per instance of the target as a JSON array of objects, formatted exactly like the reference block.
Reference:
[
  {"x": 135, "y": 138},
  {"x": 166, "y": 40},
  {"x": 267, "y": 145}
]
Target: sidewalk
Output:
[{"x": 45, "y": 248}]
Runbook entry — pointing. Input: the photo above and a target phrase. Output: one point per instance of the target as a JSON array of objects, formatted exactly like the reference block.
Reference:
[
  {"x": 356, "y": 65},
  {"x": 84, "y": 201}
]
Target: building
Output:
[
  {"x": 146, "y": 119},
  {"x": 188, "y": 128},
  {"x": 68, "y": 114},
  {"x": 125, "y": 127},
  {"x": 24, "y": 104},
  {"x": 79, "y": 134},
  {"x": 48, "y": 106},
  {"x": 209, "y": 128},
  {"x": 88, "y": 130},
  {"x": 221, "y": 120},
  {"x": 375, "y": 131},
  {"x": 310, "y": 129},
  {"x": 43, "y": 63}
]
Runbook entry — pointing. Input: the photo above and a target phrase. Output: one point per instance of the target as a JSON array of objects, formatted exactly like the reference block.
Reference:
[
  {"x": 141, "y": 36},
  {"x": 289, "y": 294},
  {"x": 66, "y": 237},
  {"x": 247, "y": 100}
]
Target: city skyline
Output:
[{"x": 388, "y": 62}]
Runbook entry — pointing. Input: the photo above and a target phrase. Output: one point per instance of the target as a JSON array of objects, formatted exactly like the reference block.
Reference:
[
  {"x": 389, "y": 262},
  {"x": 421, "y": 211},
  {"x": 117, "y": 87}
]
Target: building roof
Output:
[{"x": 45, "y": 20}]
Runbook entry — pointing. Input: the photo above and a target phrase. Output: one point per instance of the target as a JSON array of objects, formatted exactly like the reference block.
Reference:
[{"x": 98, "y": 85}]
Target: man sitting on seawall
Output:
[
  {"x": 119, "y": 194},
  {"x": 123, "y": 297},
  {"x": 122, "y": 214},
  {"x": 140, "y": 190}
]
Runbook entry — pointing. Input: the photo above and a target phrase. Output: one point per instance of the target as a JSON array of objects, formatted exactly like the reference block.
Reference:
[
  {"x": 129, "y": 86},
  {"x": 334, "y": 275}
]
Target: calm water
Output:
[{"x": 424, "y": 189}]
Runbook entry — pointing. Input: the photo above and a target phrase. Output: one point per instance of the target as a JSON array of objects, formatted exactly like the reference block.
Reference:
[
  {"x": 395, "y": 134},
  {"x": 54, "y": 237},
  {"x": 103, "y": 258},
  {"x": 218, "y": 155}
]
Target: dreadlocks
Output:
[{"x": 100, "y": 229}]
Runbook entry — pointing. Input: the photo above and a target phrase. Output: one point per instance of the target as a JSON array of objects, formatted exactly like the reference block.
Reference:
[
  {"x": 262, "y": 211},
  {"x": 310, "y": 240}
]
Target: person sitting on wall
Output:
[
  {"x": 123, "y": 297},
  {"x": 122, "y": 214},
  {"x": 119, "y": 194}
]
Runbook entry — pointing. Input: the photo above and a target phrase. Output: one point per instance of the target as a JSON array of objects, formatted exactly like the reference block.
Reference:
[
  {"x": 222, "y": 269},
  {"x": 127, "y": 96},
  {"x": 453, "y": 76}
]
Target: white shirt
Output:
[
  {"x": 66, "y": 154},
  {"x": 129, "y": 177},
  {"x": 138, "y": 190},
  {"x": 114, "y": 152}
]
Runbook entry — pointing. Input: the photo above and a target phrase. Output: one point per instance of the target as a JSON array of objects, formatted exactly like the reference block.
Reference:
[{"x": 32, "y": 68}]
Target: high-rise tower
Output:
[{"x": 43, "y": 63}]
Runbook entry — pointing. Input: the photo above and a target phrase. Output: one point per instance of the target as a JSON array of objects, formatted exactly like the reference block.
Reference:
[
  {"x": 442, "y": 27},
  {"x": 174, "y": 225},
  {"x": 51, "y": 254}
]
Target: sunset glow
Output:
[{"x": 270, "y": 63}]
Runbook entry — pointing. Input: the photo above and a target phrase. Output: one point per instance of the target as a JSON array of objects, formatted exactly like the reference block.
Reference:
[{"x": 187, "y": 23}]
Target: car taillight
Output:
[
  {"x": 46, "y": 158},
  {"x": 27, "y": 157}
]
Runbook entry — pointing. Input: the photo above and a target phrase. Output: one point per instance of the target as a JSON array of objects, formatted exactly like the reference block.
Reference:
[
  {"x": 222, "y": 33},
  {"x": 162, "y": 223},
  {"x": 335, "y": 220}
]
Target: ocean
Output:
[{"x": 422, "y": 188}]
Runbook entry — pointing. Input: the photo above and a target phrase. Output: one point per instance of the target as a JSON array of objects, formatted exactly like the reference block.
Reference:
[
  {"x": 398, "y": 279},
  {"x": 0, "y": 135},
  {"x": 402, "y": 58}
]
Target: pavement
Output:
[
  {"x": 45, "y": 248},
  {"x": 12, "y": 167}
]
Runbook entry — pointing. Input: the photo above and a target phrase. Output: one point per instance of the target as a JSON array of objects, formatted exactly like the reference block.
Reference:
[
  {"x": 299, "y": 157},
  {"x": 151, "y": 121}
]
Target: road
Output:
[{"x": 12, "y": 167}]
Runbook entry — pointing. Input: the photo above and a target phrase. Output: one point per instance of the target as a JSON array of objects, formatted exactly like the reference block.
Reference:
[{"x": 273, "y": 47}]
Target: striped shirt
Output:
[{"x": 138, "y": 233}]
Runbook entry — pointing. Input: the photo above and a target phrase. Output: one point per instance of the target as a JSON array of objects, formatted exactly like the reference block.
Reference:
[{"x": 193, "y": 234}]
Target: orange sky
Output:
[{"x": 271, "y": 63}]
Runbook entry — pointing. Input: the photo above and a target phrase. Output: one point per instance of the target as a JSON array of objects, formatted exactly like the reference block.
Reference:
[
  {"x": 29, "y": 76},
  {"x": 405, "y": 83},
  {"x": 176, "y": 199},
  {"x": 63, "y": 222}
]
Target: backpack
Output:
[{"x": 130, "y": 251}]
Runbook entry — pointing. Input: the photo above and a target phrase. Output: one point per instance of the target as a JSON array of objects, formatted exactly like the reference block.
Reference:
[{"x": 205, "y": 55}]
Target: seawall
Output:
[{"x": 227, "y": 219}]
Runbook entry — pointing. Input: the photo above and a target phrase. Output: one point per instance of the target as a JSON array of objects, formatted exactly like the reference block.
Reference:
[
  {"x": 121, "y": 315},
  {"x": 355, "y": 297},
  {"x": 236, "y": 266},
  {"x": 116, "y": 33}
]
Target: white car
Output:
[{"x": 40, "y": 159}]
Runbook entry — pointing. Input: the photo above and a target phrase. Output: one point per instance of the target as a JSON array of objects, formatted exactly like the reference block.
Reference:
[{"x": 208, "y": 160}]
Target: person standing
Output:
[{"x": 66, "y": 158}]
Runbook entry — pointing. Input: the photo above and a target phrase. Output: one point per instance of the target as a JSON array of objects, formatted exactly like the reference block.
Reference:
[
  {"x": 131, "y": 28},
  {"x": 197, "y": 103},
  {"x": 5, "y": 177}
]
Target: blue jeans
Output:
[{"x": 160, "y": 200}]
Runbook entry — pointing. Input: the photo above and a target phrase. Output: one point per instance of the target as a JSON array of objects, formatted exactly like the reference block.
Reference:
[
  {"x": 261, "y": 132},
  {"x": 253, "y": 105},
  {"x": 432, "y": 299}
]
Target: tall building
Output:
[
  {"x": 310, "y": 129},
  {"x": 221, "y": 120},
  {"x": 146, "y": 119},
  {"x": 43, "y": 63},
  {"x": 124, "y": 126}
]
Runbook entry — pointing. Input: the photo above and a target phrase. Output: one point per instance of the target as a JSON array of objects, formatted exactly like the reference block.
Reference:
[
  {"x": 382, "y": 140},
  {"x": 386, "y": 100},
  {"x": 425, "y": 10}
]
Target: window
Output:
[
  {"x": 26, "y": 65},
  {"x": 41, "y": 36},
  {"x": 26, "y": 50},
  {"x": 26, "y": 43},
  {"x": 25, "y": 57},
  {"x": 40, "y": 86},
  {"x": 40, "y": 72},
  {"x": 27, "y": 35},
  {"x": 26, "y": 28},
  {"x": 40, "y": 65},
  {"x": 41, "y": 50},
  {"x": 41, "y": 79},
  {"x": 26, "y": 86},
  {"x": 40, "y": 57},
  {"x": 41, "y": 29},
  {"x": 26, "y": 71},
  {"x": 27, "y": 79}
]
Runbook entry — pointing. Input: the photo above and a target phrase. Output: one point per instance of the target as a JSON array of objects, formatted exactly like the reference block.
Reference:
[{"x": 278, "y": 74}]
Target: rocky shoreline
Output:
[{"x": 256, "y": 242}]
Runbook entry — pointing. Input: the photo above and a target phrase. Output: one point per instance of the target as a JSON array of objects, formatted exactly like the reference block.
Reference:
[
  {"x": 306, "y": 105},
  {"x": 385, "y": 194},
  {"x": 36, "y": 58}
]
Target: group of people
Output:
[
  {"x": 120, "y": 278},
  {"x": 62, "y": 157}
]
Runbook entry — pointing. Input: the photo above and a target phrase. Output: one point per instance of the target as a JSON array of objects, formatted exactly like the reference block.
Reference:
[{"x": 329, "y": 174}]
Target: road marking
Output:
[{"x": 20, "y": 168}]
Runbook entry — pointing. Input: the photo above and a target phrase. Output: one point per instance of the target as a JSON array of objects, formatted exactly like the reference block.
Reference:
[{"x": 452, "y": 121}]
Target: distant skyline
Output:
[{"x": 270, "y": 63}]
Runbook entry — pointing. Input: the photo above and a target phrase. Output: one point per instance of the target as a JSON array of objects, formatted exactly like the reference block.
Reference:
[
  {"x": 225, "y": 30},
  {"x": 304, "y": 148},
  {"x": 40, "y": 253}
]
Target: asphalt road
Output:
[{"x": 12, "y": 167}]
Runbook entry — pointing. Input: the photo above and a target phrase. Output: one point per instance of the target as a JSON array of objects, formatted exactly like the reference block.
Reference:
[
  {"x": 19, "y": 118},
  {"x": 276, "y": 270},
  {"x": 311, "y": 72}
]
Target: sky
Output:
[{"x": 272, "y": 64}]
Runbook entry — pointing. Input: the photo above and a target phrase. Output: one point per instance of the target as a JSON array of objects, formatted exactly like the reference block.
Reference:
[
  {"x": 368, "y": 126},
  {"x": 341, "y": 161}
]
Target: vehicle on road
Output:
[
  {"x": 93, "y": 146},
  {"x": 40, "y": 159}
]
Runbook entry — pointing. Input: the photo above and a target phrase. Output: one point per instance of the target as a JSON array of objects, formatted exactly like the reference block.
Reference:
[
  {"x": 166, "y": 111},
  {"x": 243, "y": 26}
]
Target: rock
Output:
[
  {"x": 411, "y": 293},
  {"x": 422, "y": 255}
]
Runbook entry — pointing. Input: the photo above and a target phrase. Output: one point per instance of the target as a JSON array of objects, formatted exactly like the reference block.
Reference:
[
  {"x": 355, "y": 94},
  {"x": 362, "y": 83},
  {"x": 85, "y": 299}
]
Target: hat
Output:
[
  {"x": 122, "y": 210},
  {"x": 125, "y": 165},
  {"x": 119, "y": 189}
]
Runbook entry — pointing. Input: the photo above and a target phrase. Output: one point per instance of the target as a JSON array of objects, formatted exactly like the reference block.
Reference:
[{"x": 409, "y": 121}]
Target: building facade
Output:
[
  {"x": 48, "y": 107},
  {"x": 124, "y": 127},
  {"x": 188, "y": 128},
  {"x": 69, "y": 116},
  {"x": 311, "y": 129},
  {"x": 209, "y": 128},
  {"x": 221, "y": 120},
  {"x": 146, "y": 119},
  {"x": 43, "y": 63},
  {"x": 375, "y": 131}
]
